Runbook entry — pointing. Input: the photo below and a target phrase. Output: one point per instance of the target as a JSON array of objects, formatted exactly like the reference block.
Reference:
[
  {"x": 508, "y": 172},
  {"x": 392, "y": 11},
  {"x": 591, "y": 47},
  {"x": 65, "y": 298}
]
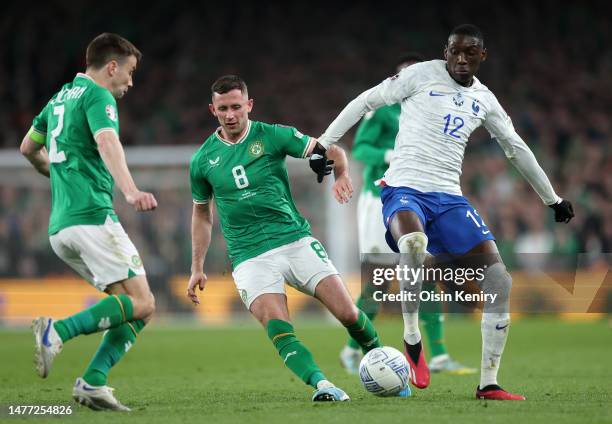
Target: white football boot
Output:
[
  {"x": 47, "y": 345},
  {"x": 98, "y": 398}
]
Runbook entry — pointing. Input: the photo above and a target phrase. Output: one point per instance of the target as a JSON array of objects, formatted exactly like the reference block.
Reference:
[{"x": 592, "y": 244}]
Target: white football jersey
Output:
[{"x": 438, "y": 115}]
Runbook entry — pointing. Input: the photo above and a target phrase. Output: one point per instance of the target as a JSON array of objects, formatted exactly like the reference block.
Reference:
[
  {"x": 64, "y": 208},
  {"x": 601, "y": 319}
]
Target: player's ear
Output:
[
  {"x": 111, "y": 67},
  {"x": 483, "y": 55},
  {"x": 446, "y": 52},
  {"x": 250, "y": 105},
  {"x": 211, "y": 107}
]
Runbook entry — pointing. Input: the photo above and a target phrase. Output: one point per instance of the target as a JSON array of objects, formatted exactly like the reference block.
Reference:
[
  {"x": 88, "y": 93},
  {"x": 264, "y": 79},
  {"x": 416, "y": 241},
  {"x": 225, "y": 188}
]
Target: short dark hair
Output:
[
  {"x": 469, "y": 30},
  {"x": 106, "y": 47},
  {"x": 227, "y": 83},
  {"x": 409, "y": 57}
]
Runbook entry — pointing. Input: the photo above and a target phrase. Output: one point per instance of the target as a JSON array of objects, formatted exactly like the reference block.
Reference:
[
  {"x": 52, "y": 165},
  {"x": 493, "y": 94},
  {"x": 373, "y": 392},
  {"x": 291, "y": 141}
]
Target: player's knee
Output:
[
  {"x": 497, "y": 283},
  {"x": 413, "y": 243},
  {"x": 149, "y": 308},
  {"x": 144, "y": 306},
  {"x": 348, "y": 316}
]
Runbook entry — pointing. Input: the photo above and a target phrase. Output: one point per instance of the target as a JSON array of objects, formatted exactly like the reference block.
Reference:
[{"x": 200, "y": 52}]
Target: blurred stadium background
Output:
[{"x": 549, "y": 63}]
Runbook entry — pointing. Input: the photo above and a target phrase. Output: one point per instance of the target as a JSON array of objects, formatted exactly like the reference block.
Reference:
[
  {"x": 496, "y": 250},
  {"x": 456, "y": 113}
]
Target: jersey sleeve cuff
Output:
[
  {"x": 201, "y": 202},
  {"x": 101, "y": 130},
  {"x": 37, "y": 136},
  {"x": 309, "y": 146}
]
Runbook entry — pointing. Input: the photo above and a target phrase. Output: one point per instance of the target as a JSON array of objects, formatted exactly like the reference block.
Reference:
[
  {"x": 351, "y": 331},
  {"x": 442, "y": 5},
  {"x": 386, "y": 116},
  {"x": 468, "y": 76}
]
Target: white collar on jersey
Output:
[
  {"x": 240, "y": 140},
  {"x": 83, "y": 75}
]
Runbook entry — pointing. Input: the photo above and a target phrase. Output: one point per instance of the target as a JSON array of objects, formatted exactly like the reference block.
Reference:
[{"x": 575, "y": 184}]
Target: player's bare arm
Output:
[
  {"x": 201, "y": 230},
  {"x": 343, "y": 187},
  {"x": 36, "y": 154},
  {"x": 112, "y": 154}
]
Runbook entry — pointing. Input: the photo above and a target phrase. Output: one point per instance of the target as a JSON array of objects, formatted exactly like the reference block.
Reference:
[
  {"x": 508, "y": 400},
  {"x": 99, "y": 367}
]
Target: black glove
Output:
[
  {"x": 563, "y": 211},
  {"x": 319, "y": 164}
]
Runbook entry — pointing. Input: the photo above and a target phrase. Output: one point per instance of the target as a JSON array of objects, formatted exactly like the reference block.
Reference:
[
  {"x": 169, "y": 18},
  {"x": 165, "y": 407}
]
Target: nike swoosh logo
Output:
[
  {"x": 45, "y": 338},
  {"x": 486, "y": 232},
  {"x": 435, "y": 94},
  {"x": 88, "y": 388},
  {"x": 497, "y": 327}
]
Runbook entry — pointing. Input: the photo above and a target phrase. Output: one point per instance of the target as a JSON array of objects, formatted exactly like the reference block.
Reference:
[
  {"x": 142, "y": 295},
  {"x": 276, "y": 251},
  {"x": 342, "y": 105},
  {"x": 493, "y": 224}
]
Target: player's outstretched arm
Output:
[
  {"x": 499, "y": 125},
  {"x": 343, "y": 187},
  {"x": 36, "y": 154},
  {"x": 368, "y": 100},
  {"x": 112, "y": 154},
  {"x": 201, "y": 230},
  {"x": 525, "y": 161}
]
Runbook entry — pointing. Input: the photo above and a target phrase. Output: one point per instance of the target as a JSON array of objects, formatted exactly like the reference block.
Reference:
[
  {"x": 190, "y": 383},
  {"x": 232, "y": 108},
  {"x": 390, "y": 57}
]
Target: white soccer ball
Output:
[{"x": 384, "y": 371}]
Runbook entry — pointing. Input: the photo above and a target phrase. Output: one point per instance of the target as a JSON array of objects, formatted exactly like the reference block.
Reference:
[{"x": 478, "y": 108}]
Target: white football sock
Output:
[
  {"x": 495, "y": 322},
  {"x": 413, "y": 250}
]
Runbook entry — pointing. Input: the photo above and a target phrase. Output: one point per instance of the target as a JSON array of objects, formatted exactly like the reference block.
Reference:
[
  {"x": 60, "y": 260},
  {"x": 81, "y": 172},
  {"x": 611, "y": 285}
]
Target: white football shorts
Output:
[
  {"x": 102, "y": 254},
  {"x": 302, "y": 264},
  {"x": 372, "y": 244}
]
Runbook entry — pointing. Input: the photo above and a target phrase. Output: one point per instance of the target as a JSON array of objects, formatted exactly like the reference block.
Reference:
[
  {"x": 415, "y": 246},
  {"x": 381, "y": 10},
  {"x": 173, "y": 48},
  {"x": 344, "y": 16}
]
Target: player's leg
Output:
[
  {"x": 495, "y": 322},
  {"x": 91, "y": 390},
  {"x": 118, "y": 340},
  {"x": 332, "y": 292},
  {"x": 314, "y": 274},
  {"x": 103, "y": 255},
  {"x": 261, "y": 287},
  {"x": 372, "y": 248},
  {"x": 90, "y": 250},
  {"x": 463, "y": 232},
  {"x": 407, "y": 230}
]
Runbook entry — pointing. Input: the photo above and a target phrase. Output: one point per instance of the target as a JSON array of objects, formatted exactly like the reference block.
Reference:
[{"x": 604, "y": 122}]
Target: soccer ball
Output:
[{"x": 384, "y": 371}]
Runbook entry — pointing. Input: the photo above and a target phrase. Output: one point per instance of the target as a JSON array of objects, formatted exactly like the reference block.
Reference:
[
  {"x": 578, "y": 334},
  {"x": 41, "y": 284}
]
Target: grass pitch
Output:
[{"x": 221, "y": 375}]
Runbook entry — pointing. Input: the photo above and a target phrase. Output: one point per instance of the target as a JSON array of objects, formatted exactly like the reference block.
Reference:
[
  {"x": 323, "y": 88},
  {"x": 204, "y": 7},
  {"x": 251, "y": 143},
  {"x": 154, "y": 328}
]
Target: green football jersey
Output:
[
  {"x": 375, "y": 135},
  {"x": 249, "y": 182},
  {"x": 81, "y": 186}
]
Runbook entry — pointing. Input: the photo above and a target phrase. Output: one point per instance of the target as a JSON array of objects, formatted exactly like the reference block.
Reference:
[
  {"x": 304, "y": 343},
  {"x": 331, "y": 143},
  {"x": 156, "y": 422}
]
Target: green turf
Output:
[{"x": 186, "y": 375}]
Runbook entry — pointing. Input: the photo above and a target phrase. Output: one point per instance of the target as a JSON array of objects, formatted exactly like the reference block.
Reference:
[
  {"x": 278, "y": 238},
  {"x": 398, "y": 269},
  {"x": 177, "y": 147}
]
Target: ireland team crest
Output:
[
  {"x": 136, "y": 261},
  {"x": 111, "y": 112},
  {"x": 243, "y": 295},
  {"x": 256, "y": 149}
]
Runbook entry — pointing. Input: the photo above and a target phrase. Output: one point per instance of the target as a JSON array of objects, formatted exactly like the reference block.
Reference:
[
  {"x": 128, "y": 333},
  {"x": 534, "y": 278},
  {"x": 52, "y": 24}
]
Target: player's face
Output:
[
  {"x": 121, "y": 75},
  {"x": 463, "y": 56},
  {"x": 232, "y": 110}
]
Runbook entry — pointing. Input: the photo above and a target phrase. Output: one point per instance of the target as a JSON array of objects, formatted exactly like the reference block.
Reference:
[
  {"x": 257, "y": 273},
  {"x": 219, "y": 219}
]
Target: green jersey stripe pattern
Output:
[
  {"x": 250, "y": 185},
  {"x": 81, "y": 186}
]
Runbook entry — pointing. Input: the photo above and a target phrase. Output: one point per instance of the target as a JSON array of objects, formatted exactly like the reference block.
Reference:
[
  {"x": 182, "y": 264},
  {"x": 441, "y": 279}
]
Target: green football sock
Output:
[
  {"x": 369, "y": 306},
  {"x": 364, "y": 333},
  {"x": 295, "y": 355},
  {"x": 115, "y": 343},
  {"x": 108, "y": 313},
  {"x": 432, "y": 318}
]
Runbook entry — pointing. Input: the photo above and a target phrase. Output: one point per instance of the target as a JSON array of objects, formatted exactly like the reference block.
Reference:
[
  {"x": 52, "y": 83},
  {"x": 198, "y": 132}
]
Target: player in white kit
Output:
[{"x": 423, "y": 207}]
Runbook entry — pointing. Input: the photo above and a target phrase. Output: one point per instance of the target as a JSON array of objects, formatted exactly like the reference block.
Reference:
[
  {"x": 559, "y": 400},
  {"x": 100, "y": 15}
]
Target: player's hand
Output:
[
  {"x": 319, "y": 164},
  {"x": 141, "y": 200},
  {"x": 343, "y": 188},
  {"x": 564, "y": 211},
  {"x": 197, "y": 279}
]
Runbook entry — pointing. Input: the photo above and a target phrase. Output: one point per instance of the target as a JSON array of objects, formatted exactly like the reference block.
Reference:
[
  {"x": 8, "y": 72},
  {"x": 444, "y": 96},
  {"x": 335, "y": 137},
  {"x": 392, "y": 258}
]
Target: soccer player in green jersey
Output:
[
  {"x": 74, "y": 142},
  {"x": 242, "y": 165},
  {"x": 373, "y": 146}
]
